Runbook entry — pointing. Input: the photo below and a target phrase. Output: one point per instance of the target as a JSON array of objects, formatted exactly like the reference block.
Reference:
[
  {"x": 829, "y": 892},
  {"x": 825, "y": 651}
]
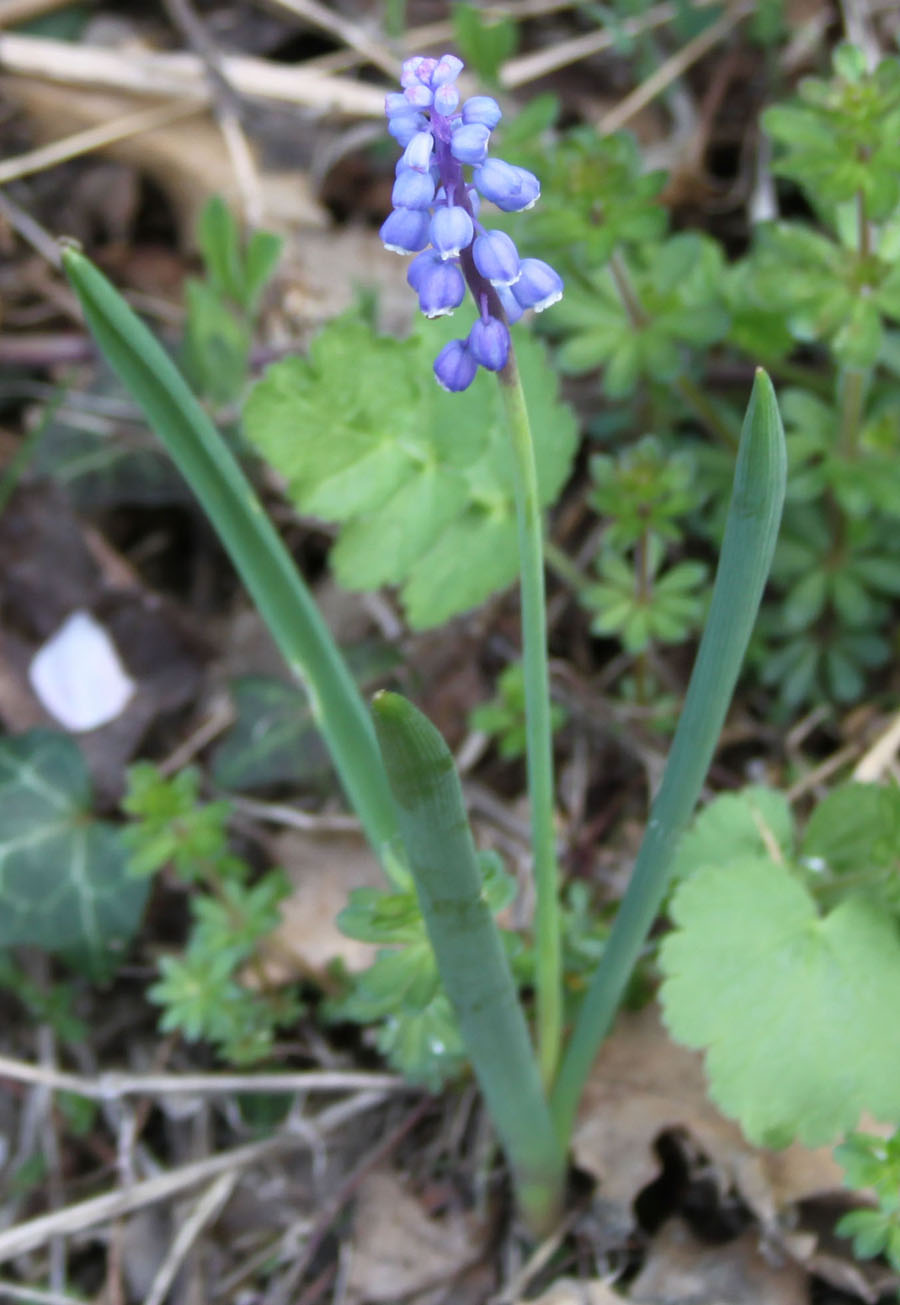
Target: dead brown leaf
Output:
[
  {"x": 643, "y": 1084},
  {"x": 398, "y": 1249},
  {"x": 683, "y": 1271},
  {"x": 322, "y": 869},
  {"x": 188, "y": 162}
]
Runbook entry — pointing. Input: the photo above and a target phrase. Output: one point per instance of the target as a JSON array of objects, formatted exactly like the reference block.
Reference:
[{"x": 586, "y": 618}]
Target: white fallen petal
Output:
[{"x": 78, "y": 677}]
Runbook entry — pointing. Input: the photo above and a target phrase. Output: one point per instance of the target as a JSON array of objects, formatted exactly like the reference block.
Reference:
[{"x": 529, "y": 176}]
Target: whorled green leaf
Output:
[
  {"x": 420, "y": 481},
  {"x": 64, "y": 882},
  {"x": 796, "y": 1011}
]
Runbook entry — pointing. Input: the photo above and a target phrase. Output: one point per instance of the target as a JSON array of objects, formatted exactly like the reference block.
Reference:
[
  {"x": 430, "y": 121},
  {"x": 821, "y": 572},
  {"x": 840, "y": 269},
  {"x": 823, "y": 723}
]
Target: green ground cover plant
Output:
[{"x": 441, "y": 492}]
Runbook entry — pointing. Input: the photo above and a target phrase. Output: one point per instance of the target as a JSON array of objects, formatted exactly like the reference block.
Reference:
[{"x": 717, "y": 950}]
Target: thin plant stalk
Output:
[
  {"x": 750, "y": 534},
  {"x": 471, "y": 960},
  {"x": 264, "y": 564},
  {"x": 538, "y": 725}
]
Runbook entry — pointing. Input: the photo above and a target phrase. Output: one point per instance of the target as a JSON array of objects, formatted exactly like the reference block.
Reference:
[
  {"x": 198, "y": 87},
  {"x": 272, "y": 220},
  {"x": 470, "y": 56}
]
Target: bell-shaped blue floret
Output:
[
  {"x": 446, "y": 70},
  {"x": 489, "y": 343},
  {"x": 454, "y": 367},
  {"x": 404, "y": 126},
  {"x": 405, "y": 230},
  {"x": 418, "y": 151},
  {"x": 446, "y": 100},
  {"x": 496, "y": 257},
  {"x": 440, "y": 286},
  {"x": 451, "y": 230},
  {"x": 511, "y": 189},
  {"x": 418, "y": 68},
  {"x": 419, "y": 96},
  {"x": 395, "y": 102},
  {"x": 539, "y": 286},
  {"x": 482, "y": 109},
  {"x": 469, "y": 144},
  {"x": 412, "y": 189}
]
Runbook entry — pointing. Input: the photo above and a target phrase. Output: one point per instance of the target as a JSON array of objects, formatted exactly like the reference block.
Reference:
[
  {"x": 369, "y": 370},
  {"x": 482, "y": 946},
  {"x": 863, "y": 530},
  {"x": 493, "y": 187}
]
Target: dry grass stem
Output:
[
  {"x": 113, "y": 1205},
  {"x": 34, "y": 1295},
  {"x": 810, "y": 782},
  {"x": 276, "y": 813},
  {"x": 181, "y": 74},
  {"x": 350, "y": 33},
  {"x": 20, "y": 11},
  {"x": 672, "y": 68},
  {"x": 111, "y": 1087},
  {"x": 873, "y": 765},
  {"x": 527, "y": 68},
  {"x": 93, "y": 138},
  {"x": 205, "y": 1212}
]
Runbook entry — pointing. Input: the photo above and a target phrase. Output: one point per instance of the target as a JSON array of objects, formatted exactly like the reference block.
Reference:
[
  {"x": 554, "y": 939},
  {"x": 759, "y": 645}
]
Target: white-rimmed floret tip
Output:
[
  {"x": 496, "y": 258},
  {"x": 539, "y": 285}
]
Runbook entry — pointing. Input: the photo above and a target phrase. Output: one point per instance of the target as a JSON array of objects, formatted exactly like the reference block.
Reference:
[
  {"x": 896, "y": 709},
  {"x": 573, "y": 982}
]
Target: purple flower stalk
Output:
[{"x": 435, "y": 216}]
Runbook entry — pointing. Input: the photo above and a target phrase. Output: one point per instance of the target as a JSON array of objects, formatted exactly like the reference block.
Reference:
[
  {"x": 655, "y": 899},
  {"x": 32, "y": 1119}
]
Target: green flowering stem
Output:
[
  {"x": 470, "y": 956},
  {"x": 262, "y": 561},
  {"x": 750, "y": 534},
  {"x": 538, "y": 724}
]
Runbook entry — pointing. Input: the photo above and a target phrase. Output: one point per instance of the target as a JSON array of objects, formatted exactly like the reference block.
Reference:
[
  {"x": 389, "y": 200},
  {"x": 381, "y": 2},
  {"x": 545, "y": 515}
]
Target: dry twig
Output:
[
  {"x": 112, "y": 1205},
  {"x": 111, "y": 1087},
  {"x": 181, "y": 74}
]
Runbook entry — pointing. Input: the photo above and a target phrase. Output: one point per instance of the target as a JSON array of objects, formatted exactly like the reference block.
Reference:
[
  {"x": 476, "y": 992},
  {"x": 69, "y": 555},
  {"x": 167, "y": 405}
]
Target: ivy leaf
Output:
[
  {"x": 274, "y": 739},
  {"x": 796, "y": 1011},
  {"x": 64, "y": 882},
  {"x": 420, "y": 481},
  {"x": 745, "y": 824}
]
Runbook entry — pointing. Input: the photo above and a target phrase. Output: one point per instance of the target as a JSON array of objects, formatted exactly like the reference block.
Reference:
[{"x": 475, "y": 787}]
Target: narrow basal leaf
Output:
[
  {"x": 751, "y": 530},
  {"x": 281, "y": 597},
  {"x": 470, "y": 956}
]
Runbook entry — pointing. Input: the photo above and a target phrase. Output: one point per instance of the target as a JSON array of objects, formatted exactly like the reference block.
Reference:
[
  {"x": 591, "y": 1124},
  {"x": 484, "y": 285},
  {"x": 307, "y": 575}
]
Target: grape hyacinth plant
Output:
[
  {"x": 396, "y": 769},
  {"x": 435, "y": 217}
]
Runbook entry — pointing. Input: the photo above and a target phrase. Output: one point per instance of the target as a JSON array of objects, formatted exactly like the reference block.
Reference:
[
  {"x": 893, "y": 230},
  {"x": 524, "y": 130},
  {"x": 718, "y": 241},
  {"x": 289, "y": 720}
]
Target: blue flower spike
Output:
[{"x": 435, "y": 216}]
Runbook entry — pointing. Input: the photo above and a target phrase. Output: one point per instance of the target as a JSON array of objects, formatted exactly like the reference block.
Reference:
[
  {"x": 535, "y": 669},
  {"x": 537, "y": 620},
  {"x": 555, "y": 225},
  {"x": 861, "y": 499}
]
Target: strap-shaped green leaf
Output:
[
  {"x": 283, "y": 601},
  {"x": 751, "y": 530},
  {"x": 470, "y": 955}
]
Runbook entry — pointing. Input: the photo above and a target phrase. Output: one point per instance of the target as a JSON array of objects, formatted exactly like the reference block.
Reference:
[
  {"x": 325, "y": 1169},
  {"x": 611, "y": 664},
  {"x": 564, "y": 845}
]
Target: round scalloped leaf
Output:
[
  {"x": 796, "y": 1012},
  {"x": 64, "y": 882},
  {"x": 748, "y": 823}
]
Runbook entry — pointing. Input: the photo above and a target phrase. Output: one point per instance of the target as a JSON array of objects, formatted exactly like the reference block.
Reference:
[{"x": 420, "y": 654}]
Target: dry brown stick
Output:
[
  {"x": 226, "y": 107},
  {"x": 528, "y": 67},
  {"x": 671, "y": 68},
  {"x": 206, "y": 1211},
  {"x": 878, "y": 758},
  {"x": 20, "y": 11},
  {"x": 110, "y": 1087},
  {"x": 93, "y": 138},
  {"x": 350, "y": 33},
  {"x": 339, "y": 1199},
  {"x": 101, "y": 1209},
  {"x": 34, "y": 1295},
  {"x": 35, "y": 235},
  {"x": 181, "y": 74}
]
